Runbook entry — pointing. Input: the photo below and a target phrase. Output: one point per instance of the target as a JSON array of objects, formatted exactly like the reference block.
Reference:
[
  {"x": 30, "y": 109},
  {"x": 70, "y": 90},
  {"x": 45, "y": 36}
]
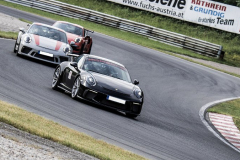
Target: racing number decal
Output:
[{"x": 70, "y": 75}]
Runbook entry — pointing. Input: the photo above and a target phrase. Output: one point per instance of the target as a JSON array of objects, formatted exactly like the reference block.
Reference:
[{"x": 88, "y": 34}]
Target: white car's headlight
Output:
[
  {"x": 67, "y": 50},
  {"x": 137, "y": 92},
  {"x": 27, "y": 39},
  {"x": 78, "y": 39}
]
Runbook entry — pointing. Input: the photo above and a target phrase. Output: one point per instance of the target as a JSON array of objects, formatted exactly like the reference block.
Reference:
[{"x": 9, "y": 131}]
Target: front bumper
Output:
[
  {"x": 33, "y": 52},
  {"x": 131, "y": 106}
]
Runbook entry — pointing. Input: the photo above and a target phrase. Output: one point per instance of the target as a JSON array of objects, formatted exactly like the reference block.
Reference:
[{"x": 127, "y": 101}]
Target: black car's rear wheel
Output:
[
  {"x": 56, "y": 78},
  {"x": 75, "y": 88}
]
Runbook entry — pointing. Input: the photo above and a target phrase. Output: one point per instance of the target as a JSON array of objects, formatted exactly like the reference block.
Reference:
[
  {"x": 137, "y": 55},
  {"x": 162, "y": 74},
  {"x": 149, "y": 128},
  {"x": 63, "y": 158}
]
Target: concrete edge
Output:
[{"x": 202, "y": 114}]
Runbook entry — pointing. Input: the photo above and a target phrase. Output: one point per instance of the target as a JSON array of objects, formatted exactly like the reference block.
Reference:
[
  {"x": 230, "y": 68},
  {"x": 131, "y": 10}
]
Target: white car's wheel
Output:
[{"x": 16, "y": 48}]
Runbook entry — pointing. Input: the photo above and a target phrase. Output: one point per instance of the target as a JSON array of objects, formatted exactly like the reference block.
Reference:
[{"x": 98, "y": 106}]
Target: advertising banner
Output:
[
  {"x": 203, "y": 12},
  {"x": 213, "y": 14}
]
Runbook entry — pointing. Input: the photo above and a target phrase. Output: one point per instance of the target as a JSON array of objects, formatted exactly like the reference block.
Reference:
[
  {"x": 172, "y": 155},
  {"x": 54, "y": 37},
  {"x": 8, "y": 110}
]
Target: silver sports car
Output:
[{"x": 43, "y": 42}]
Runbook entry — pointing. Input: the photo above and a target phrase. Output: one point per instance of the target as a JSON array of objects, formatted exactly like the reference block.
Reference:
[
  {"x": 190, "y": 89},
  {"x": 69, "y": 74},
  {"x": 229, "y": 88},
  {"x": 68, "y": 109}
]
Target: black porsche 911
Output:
[{"x": 101, "y": 81}]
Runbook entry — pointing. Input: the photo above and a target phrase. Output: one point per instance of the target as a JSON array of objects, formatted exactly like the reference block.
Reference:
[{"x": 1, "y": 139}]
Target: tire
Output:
[
  {"x": 75, "y": 88},
  {"x": 56, "y": 78},
  {"x": 90, "y": 49},
  {"x": 16, "y": 48},
  {"x": 129, "y": 115},
  {"x": 82, "y": 48}
]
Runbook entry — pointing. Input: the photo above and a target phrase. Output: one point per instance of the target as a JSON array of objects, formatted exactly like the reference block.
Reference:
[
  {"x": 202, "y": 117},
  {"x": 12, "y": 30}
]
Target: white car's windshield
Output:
[
  {"x": 48, "y": 32},
  {"x": 69, "y": 28},
  {"x": 107, "y": 68}
]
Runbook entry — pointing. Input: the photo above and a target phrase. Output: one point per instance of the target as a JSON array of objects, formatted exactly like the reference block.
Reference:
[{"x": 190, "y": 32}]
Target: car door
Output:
[{"x": 73, "y": 72}]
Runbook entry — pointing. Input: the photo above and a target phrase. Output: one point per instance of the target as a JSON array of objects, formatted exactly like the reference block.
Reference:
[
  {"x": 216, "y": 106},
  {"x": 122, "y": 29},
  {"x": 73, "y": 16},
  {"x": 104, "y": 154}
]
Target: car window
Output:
[
  {"x": 69, "y": 28},
  {"x": 48, "y": 32},
  {"x": 106, "y": 68}
]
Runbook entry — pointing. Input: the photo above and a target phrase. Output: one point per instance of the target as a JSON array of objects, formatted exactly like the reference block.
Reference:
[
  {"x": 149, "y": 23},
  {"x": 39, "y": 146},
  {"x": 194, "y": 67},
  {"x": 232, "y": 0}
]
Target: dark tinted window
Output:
[
  {"x": 69, "y": 28},
  {"x": 107, "y": 68}
]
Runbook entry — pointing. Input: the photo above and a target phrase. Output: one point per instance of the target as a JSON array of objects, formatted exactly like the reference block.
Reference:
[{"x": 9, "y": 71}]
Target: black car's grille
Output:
[
  {"x": 102, "y": 98},
  {"x": 114, "y": 104},
  {"x": 115, "y": 92},
  {"x": 44, "y": 57},
  {"x": 26, "y": 50}
]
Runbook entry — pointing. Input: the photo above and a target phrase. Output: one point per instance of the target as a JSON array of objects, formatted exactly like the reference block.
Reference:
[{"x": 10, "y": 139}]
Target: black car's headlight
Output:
[
  {"x": 77, "y": 40},
  {"x": 27, "y": 39},
  {"x": 137, "y": 92},
  {"x": 90, "y": 80},
  {"x": 67, "y": 50}
]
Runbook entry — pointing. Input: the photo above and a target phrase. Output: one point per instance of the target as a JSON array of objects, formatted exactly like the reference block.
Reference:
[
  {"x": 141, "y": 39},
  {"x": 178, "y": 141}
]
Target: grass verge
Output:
[
  {"x": 24, "y": 20},
  {"x": 40, "y": 126},
  {"x": 230, "y": 59},
  {"x": 9, "y": 35},
  {"x": 231, "y": 108}
]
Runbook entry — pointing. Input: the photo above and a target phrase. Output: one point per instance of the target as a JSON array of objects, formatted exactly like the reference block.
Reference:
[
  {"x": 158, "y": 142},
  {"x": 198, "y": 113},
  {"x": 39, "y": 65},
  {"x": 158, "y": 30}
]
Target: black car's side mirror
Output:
[
  {"x": 72, "y": 44},
  {"x": 135, "y": 81},
  {"x": 22, "y": 30},
  {"x": 74, "y": 64}
]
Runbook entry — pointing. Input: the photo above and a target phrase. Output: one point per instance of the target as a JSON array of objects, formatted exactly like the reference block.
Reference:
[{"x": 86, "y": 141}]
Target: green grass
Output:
[
  {"x": 231, "y": 108},
  {"x": 10, "y": 35},
  {"x": 230, "y": 59},
  {"x": 24, "y": 20},
  {"x": 45, "y": 128}
]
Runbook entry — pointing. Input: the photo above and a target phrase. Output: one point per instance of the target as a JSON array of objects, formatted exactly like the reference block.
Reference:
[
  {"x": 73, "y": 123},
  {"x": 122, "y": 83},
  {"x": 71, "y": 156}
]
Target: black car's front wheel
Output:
[
  {"x": 56, "y": 78},
  {"x": 129, "y": 115},
  {"x": 75, "y": 88}
]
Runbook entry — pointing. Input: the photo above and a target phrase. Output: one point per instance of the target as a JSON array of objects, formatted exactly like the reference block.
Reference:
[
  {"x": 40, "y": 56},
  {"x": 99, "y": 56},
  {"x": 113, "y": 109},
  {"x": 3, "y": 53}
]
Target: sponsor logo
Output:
[
  {"x": 179, "y": 4},
  {"x": 210, "y": 5}
]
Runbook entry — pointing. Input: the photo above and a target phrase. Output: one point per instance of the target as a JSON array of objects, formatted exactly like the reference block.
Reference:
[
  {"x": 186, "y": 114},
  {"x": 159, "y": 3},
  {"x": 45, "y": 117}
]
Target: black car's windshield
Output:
[
  {"x": 69, "y": 28},
  {"x": 48, "y": 32},
  {"x": 107, "y": 68}
]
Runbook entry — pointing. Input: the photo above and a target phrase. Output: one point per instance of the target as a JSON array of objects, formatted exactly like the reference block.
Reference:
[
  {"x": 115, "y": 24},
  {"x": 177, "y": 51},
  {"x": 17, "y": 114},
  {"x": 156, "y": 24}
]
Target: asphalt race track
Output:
[{"x": 175, "y": 90}]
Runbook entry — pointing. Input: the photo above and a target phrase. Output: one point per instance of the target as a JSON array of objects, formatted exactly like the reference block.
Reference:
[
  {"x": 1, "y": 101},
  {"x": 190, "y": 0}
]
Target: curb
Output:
[
  {"x": 225, "y": 125},
  {"x": 202, "y": 114}
]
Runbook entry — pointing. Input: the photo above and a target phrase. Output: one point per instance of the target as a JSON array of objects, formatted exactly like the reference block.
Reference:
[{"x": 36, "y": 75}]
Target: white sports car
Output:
[{"x": 43, "y": 42}]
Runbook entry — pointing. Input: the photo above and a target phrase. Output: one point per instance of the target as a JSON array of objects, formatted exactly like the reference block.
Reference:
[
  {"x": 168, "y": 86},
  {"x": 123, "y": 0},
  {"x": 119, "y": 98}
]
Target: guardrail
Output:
[{"x": 167, "y": 37}]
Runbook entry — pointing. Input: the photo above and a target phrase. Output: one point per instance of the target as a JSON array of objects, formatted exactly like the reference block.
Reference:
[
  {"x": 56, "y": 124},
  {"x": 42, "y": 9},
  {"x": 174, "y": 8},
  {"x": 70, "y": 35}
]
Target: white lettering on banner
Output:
[{"x": 203, "y": 12}]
